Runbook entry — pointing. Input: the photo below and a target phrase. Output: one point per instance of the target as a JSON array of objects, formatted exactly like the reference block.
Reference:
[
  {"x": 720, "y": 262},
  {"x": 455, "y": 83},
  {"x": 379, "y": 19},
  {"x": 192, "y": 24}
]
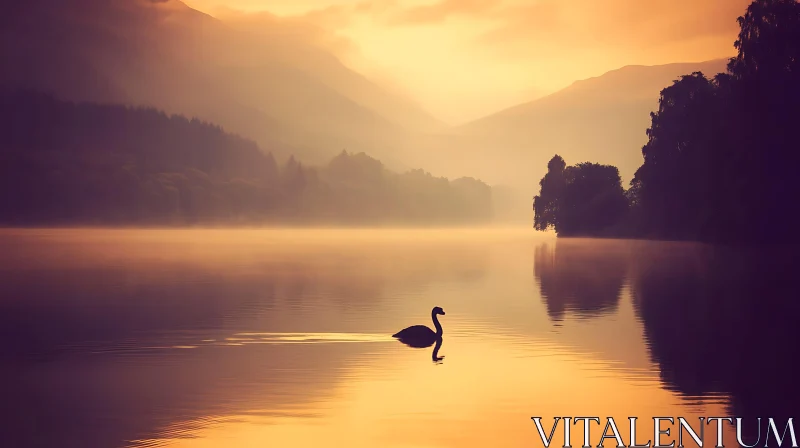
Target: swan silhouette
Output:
[{"x": 420, "y": 336}]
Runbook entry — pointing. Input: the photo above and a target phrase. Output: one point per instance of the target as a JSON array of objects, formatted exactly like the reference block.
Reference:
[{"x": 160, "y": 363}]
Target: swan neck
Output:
[{"x": 436, "y": 324}]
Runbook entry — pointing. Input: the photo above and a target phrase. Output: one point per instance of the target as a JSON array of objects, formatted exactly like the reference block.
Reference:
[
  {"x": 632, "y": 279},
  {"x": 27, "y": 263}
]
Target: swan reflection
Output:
[{"x": 435, "y": 355}]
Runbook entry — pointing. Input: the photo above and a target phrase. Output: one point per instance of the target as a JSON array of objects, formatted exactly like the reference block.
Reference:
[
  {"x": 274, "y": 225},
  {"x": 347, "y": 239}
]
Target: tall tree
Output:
[
  {"x": 766, "y": 99},
  {"x": 721, "y": 160},
  {"x": 769, "y": 42},
  {"x": 674, "y": 179}
]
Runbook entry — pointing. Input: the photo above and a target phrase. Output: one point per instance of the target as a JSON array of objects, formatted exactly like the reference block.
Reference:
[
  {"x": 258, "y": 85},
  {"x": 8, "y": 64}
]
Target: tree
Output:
[
  {"x": 721, "y": 160},
  {"x": 673, "y": 183},
  {"x": 584, "y": 199},
  {"x": 769, "y": 42},
  {"x": 593, "y": 200},
  {"x": 766, "y": 100},
  {"x": 545, "y": 205}
]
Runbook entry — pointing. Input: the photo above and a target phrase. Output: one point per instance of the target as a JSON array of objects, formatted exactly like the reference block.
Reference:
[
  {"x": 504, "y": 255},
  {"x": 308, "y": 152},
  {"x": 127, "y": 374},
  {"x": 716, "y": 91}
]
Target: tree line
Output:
[
  {"x": 65, "y": 163},
  {"x": 722, "y": 157}
]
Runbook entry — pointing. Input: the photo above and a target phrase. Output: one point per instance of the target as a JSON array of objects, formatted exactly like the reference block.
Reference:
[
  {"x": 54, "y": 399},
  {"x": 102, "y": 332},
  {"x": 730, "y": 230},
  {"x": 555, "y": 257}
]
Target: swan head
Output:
[{"x": 439, "y": 311}]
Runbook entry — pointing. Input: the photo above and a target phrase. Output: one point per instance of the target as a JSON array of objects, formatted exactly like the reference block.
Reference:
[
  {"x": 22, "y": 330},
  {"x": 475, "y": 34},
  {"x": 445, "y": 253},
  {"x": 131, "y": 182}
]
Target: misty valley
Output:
[
  {"x": 68, "y": 164},
  {"x": 99, "y": 128}
]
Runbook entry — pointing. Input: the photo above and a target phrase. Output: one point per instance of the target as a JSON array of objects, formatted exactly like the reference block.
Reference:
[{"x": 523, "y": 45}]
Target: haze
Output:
[
  {"x": 482, "y": 92},
  {"x": 463, "y": 59}
]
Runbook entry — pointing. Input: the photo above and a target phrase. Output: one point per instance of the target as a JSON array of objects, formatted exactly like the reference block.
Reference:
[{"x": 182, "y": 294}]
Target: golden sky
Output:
[{"x": 463, "y": 59}]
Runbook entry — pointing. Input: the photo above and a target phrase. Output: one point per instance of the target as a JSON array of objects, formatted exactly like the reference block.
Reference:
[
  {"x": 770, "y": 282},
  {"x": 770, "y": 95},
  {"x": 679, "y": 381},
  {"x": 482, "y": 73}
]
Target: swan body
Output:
[{"x": 420, "y": 336}]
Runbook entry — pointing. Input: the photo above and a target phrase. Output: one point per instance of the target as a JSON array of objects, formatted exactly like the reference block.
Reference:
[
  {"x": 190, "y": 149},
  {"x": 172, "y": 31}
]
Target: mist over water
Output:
[{"x": 217, "y": 338}]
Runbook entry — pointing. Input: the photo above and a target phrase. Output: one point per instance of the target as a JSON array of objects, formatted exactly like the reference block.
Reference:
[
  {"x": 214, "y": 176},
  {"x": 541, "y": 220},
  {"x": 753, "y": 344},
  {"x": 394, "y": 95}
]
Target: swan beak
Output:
[{"x": 443, "y": 313}]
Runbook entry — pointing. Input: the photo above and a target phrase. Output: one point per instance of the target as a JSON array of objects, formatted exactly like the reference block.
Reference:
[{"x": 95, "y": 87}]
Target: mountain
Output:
[
  {"x": 65, "y": 163},
  {"x": 307, "y": 56},
  {"x": 273, "y": 81},
  {"x": 256, "y": 76},
  {"x": 602, "y": 119}
]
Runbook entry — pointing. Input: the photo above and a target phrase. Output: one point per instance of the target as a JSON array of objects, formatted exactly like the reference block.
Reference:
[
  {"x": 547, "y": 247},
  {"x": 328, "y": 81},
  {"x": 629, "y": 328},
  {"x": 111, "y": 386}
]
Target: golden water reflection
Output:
[
  {"x": 254, "y": 338},
  {"x": 482, "y": 395}
]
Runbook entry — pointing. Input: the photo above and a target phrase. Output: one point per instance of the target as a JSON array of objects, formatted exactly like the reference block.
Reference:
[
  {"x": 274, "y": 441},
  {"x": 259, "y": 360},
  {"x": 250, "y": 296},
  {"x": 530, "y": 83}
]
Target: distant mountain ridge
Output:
[
  {"x": 631, "y": 82},
  {"x": 279, "y": 89},
  {"x": 260, "y": 78},
  {"x": 66, "y": 163},
  {"x": 601, "y": 119}
]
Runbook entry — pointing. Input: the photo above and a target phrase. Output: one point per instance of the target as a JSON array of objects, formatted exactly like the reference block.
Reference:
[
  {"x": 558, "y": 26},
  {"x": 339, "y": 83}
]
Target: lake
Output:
[{"x": 282, "y": 338}]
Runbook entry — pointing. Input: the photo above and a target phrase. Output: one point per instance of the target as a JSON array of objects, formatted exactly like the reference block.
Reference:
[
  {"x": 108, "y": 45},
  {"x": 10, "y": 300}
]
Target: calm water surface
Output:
[{"x": 278, "y": 338}]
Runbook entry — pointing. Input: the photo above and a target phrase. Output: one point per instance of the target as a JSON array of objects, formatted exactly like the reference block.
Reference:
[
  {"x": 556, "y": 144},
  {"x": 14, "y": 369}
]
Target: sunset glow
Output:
[
  {"x": 399, "y": 223},
  {"x": 465, "y": 59}
]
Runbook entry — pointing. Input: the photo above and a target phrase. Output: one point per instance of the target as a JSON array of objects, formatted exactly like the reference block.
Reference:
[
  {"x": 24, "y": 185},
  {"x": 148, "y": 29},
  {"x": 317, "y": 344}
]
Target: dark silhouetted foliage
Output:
[
  {"x": 545, "y": 206},
  {"x": 721, "y": 161},
  {"x": 67, "y": 163},
  {"x": 722, "y": 157},
  {"x": 585, "y": 199}
]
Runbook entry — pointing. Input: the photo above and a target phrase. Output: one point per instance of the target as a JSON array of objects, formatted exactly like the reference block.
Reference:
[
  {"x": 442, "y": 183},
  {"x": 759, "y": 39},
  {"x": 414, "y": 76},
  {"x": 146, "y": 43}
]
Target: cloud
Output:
[
  {"x": 442, "y": 10},
  {"x": 554, "y": 23},
  {"x": 608, "y": 20},
  {"x": 317, "y": 28},
  {"x": 612, "y": 21},
  {"x": 509, "y": 46},
  {"x": 621, "y": 24}
]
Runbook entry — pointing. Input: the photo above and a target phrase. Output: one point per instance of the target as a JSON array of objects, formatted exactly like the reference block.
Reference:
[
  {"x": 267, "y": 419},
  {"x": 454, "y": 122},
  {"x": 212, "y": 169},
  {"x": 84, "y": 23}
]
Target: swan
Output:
[{"x": 421, "y": 336}]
